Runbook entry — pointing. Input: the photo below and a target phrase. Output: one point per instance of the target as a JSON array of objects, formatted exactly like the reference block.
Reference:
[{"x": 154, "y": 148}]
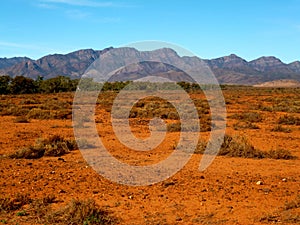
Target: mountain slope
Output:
[
  {"x": 73, "y": 64},
  {"x": 8, "y": 62},
  {"x": 228, "y": 69}
]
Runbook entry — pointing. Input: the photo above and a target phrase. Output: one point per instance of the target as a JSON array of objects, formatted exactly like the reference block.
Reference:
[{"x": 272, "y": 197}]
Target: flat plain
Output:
[{"x": 255, "y": 179}]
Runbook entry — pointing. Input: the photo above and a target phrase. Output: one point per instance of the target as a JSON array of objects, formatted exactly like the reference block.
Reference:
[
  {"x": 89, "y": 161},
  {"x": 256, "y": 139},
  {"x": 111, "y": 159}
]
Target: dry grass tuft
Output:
[
  {"x": 53, "y": 146},
  {"x": 85, "y": 212},
  {"x": 238, "y": 146},
  {"x": 11, "y": 204}
]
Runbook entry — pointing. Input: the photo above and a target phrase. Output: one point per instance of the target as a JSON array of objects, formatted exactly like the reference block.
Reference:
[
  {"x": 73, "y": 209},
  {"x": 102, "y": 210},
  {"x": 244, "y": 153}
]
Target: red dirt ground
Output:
[{"x": 225, "y": 193}]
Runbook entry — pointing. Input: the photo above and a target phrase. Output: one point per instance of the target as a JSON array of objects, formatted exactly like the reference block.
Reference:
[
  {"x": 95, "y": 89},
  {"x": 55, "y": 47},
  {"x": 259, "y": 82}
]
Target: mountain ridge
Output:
[{"x": 230, "y": 69}]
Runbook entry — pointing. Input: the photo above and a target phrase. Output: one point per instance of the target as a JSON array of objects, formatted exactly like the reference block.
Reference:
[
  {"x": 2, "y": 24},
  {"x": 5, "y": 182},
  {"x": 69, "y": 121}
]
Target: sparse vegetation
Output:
[
  {"x": 11, "y": 204},
  {"x": 85, "y": 212},
  {"x": 245, "y": 125},
  {"x": 238, "y": 146},
  {"x": 251, "y": 117},
  {"x": 53, "y": 146},
  {"x": 285, "y": 214},
  {"x": 289, "y": 120},
  {"x": 279, "y": 128}
]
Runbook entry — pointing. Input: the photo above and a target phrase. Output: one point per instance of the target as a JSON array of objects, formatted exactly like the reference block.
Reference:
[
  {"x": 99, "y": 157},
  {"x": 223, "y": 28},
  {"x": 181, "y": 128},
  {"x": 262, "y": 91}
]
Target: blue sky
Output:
[{"x": 209, "y": 29}]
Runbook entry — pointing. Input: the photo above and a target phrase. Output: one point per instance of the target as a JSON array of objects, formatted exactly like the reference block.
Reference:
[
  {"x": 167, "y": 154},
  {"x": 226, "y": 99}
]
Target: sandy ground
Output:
[{"x": 225, "y": 193}]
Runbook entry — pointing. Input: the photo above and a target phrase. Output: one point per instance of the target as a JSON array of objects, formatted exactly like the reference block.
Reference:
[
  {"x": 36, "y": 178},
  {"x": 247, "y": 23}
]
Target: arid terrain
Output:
[{"x": 255, "y": 180}]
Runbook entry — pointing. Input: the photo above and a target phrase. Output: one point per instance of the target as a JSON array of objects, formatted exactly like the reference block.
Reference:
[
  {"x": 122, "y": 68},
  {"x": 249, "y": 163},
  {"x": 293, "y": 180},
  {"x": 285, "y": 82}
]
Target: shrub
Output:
[
  {"x": 11, "y": 204},
  {"x": 30, "y": 102},
  {"x": 52, "y": 104},
  {"x": 53, "y": 146},
  {"x": 238, "y": 146},
  {"x": 13, "y": 110},
  {"x": 280, "y": 128},
  {"x": 279, "y": 154},
  {"x": 85, "y": 212},
  {"x": 37, "y": 113},
  {"x": 245, "y": 125},
  {"x": 31, "y": 152},
  {"x": 252, "y": 117},
  {"x": 289, "y": 120}
]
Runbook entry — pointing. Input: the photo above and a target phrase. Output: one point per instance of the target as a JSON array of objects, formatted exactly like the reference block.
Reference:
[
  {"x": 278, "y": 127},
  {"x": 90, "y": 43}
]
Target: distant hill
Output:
[
  {"x": 280, "y": 83},
  {"x": 228, "y": 69}
]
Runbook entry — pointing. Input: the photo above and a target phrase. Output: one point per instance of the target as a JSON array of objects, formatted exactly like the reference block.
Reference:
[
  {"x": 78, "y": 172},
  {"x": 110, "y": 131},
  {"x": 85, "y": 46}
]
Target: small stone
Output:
[
  {"x": 178, "y": 218},
  {"x": 259, "y": 182},
  {"x": 284, "y": 180},
  {"x": 61, "y": 159}
]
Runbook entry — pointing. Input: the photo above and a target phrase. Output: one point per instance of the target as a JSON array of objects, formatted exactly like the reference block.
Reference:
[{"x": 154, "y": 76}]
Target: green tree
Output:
[
  {"x": 4, "y": 84},
  {"x": 23, "y": 85},
  {"x": 58, "y": 84}
]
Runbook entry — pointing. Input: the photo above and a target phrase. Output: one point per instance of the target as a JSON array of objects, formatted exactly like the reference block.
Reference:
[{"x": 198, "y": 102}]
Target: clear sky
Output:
[{"x": 208, "y": 28}]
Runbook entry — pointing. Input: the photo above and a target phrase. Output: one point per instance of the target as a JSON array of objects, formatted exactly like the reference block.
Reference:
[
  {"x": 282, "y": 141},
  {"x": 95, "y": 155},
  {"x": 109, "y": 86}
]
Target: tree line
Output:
[{"x": 25, "y": 85}]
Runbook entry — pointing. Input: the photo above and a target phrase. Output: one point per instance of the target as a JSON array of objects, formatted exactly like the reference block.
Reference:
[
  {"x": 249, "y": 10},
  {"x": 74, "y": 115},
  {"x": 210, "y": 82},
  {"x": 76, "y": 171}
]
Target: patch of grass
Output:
[
  {"x": 55, "y": 104},
  {"x": 252, "y": 117},
  {"x": 279, "y": 128},
  {"x": 205, "y": 125},
  {"x": 39, "y": 208},
  {"x": 11, "y": 204},
  {"x": 289, "y": 120},
  {"x": 30, "y": 101},
  {"x": 280, "y": 154},
  {"x": 62, "y": 114},
  {"x": 22, "y": 213},
  {"x": 238, "y": 146},
  {"x": 85, "y": 212},
  {"x": 37, "y": 113},
  {"x": 245, "y": 125},
  {"x": 53, "y": 146},
  {"x": 14, "y": 110},
  {"x": 176, "y": 127}
]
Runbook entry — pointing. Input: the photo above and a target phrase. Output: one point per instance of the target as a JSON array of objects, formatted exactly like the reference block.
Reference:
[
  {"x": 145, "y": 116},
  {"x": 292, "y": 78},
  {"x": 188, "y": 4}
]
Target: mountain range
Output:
[{"x": 230, "y": 69}]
